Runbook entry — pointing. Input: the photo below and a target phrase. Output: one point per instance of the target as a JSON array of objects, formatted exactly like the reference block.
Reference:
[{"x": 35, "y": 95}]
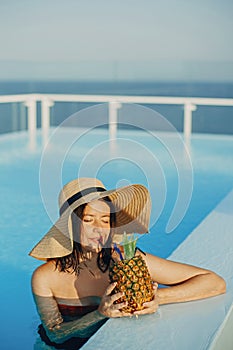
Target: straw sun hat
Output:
[{"x": 132, "y": 207}]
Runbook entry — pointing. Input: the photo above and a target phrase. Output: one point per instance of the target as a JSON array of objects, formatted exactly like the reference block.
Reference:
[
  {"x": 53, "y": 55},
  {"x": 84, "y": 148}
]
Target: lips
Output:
[{"x": 97, "y": 240}]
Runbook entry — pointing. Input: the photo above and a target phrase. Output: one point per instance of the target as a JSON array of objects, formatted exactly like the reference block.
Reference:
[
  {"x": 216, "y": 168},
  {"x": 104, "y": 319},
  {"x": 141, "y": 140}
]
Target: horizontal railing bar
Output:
[
  {"x": 19, "y": 98},
  {"x": 119, "y": 98},
  {"x": 141, "y": 99}
]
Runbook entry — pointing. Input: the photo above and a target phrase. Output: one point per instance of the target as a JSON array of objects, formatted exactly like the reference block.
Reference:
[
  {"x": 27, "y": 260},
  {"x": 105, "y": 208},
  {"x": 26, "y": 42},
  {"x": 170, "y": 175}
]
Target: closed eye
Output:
[
  {"x": 105, "y": 219},
  {"x": 88, "y": 218}
]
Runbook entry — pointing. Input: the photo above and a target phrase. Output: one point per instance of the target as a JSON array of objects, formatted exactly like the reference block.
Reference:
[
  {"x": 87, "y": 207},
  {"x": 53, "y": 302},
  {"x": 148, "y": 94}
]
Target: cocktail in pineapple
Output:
[{"x": 132, "y": 276}]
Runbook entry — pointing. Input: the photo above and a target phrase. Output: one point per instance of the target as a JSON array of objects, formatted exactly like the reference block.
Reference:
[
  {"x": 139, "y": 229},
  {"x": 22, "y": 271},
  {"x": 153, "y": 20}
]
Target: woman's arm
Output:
[
  {"x": 186, "y": 282},
  {"x": 59, "y": 331}
]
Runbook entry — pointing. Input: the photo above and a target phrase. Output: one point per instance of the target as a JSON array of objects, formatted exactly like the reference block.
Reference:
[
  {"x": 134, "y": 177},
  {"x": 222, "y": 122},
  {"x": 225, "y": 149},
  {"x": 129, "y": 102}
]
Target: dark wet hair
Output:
[{"x": 72, "y": 261}]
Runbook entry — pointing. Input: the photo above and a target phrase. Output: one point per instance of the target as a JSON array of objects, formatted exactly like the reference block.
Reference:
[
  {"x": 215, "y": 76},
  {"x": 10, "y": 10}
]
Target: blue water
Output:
[
  {"x": 24, "y": 218},
  {"x": 217, "y": 120}
]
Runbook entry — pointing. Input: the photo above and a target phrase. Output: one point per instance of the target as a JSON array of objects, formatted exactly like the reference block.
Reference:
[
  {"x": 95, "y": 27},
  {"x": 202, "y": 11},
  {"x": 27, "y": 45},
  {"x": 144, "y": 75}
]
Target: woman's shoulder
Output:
[
  {"x": 47, "y": 266},
  {"x": 42, "y": 277},
  {"x": 44, "y": 271}
]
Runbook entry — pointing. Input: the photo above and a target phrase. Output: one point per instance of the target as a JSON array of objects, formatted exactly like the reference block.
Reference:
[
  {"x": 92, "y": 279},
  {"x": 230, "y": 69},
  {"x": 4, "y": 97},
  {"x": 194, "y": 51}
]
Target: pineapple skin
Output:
[{"x": 133, "y": 278}]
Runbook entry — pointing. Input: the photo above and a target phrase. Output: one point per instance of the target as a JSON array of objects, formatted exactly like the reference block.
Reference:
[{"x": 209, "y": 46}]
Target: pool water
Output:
[{"x": 31, "y": 177}]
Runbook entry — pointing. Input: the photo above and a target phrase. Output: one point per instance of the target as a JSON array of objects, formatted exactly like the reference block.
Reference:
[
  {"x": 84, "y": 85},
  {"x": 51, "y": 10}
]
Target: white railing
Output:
[{"x": 114, "y": 101}]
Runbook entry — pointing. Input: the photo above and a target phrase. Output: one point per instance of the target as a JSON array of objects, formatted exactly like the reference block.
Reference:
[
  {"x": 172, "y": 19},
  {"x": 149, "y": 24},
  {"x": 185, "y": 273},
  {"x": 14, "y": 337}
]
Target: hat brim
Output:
[{"x": 132, "y": 208}]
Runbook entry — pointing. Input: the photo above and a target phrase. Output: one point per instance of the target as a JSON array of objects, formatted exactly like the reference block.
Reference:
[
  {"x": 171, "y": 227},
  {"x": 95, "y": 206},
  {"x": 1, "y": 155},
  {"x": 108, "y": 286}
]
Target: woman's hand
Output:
[
  {"x": 107, "y": 306},
  {"x": 151, "y": 306}
]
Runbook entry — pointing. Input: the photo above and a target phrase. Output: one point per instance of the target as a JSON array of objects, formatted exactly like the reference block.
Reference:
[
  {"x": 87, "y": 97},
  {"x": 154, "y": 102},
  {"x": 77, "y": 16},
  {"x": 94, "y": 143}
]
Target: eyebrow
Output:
[{"x": 105, "y": 215}]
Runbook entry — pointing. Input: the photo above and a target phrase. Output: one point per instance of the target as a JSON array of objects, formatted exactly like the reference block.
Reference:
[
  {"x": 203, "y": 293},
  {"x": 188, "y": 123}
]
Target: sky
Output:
[{"x": 123, "y": 39}]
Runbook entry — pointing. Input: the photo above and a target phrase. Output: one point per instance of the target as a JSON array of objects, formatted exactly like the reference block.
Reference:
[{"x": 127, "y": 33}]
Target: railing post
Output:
[
  {"x": 45, "y": 117},
  {"x": 14, "y": 117},
  {"x": 112, "y": 118},
  {"x": 188, "y": 109},
  {"x": 32, "y": 118}
]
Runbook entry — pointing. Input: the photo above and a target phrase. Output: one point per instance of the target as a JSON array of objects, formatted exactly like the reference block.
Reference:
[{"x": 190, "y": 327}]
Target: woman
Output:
[{"x": 72, "y": 291}]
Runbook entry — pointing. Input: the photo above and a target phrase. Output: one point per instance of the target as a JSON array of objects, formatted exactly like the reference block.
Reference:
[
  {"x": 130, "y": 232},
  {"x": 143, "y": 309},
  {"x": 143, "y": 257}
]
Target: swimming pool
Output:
[{"x": 136, "y": 156}]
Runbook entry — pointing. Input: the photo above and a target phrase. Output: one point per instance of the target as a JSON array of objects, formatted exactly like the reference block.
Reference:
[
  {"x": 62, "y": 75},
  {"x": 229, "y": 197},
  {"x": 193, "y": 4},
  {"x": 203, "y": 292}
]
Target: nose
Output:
[{"x": 98, "y": 226}]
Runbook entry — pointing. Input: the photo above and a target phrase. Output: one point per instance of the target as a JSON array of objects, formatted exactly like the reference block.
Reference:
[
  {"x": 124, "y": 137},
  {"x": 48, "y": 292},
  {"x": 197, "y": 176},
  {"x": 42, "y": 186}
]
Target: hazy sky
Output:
[{"x": 91, "y": 37}]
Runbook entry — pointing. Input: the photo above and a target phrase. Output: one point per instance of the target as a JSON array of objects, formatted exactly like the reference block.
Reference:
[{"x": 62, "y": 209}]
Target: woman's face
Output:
[{"x": 95, "y": 226}]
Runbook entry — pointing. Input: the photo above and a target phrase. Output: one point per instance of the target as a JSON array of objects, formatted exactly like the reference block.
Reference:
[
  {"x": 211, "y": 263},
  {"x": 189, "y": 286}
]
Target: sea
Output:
[{"x": 206, "y": 119}]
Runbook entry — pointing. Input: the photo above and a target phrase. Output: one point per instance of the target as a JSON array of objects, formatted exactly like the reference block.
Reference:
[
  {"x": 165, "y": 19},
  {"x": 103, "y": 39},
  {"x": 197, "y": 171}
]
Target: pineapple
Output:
[{"x": 132, "y": 277}]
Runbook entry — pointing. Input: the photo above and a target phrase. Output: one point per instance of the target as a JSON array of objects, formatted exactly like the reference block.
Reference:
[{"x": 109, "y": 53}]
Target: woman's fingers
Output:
[
  {"x": 108, "y": 305},
  {"x": 155, "y": 287},
  {"x": 118, "y": 312},
  {"x": 116, "y": 296},
  {"x": 110, "y": 308},
  {"x": 111, "y": 298},
  {"x": 110, "y": 288},
  {"x": 149, "y": 307}
]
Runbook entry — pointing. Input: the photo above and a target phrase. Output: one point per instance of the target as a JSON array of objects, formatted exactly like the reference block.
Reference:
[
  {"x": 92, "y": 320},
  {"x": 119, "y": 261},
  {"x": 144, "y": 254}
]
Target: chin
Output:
[{"x": 93, "y": 249}]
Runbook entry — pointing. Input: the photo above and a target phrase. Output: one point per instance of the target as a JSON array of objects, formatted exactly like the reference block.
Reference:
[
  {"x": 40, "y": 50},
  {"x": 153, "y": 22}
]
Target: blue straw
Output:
[{"x": 118, "y": 251}]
